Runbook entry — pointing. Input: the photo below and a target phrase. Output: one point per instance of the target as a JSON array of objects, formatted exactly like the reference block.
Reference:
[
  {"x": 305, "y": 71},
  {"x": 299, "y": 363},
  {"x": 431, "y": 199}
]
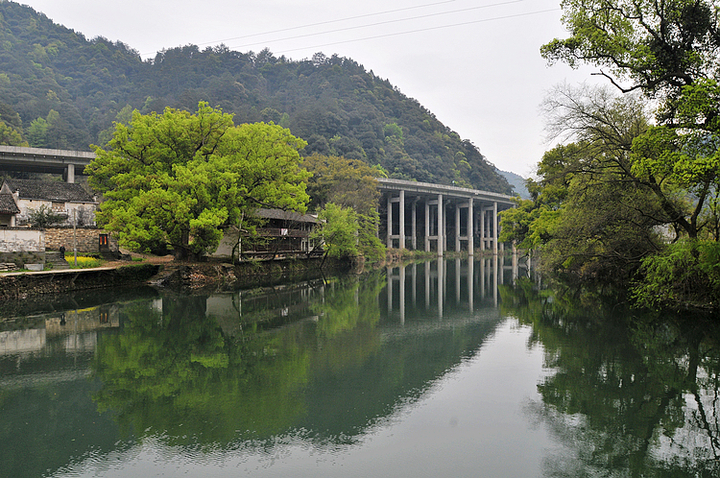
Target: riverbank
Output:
[
  {"x": 164, "y": 272},
  {"x": 21, "y": 285}
]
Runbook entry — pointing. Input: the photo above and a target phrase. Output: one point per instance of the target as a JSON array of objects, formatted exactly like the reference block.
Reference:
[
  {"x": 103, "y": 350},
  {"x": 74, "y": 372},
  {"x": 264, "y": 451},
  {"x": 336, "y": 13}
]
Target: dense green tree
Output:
[
  {"x": 10, "y": 136},
  {"x": 668, "y": 50},
  {"x": 338, "y": 231},
  {"x": 658, "y": 46},
  {"x": 591, "y": 216},
  {"x": 349, "y": 184},
  {"x": 346, "y": 182},
  {"x": 180, "y": 178}
]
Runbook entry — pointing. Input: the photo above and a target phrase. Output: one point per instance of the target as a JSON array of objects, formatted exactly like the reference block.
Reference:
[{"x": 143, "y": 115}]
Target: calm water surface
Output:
[{"x": 436, "y": 369}]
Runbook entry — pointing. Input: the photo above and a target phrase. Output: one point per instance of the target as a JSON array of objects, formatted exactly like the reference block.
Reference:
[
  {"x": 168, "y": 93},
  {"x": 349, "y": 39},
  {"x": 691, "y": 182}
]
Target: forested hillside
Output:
[{"x": 61, "y": 90}]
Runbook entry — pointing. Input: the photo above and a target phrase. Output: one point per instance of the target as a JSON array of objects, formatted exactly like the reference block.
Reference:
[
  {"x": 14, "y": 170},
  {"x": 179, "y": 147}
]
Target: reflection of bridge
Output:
[
  {"x": 475, "y": 216},
  {"x": 469, "y": 279}
]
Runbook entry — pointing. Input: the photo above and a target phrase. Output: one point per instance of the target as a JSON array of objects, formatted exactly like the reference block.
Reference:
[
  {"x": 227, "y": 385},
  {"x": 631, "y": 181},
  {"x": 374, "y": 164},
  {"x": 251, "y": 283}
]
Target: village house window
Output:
[{"x": 58, "y": 207}]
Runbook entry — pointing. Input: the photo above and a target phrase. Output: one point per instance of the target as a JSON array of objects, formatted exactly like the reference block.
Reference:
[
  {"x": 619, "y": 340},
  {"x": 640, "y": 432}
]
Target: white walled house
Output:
[{"x": 68, "y": 199}]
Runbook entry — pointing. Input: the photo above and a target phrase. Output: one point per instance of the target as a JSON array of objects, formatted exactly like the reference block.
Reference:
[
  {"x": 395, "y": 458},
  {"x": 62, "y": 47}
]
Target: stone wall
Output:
[
  {"x": 21, "y": 240},
  {"x": 22, "y": 246},
  {"x": 88, "y": 239},
  {"x": 18, "y": 286}
]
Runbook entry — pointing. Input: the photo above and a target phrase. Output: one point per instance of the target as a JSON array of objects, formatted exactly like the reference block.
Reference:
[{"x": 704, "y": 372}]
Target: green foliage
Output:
[
  {"x": 337, "y": 106},
  {"x": 590, "y": 217},
  {"x": 10, "y": 136},
  {"x": 345, "y": 182},
  {"x": 338, "y": 231},
  {"x": 669, "y": 52},
  {"x": 351, "y": 184},
  {"x": 44, "y": 216},
  {"x": 657, "y": 47},
  {"x": 685, "y": 274},
  {"x": 180, "y": 178}
]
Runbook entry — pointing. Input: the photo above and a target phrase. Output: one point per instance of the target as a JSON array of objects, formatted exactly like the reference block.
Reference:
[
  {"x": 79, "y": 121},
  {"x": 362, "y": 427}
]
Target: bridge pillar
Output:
[
  {"x": 457, "y": 227},
  {"x": 414, "y": 225},
  {"x": 441, "y": 227},
  {"x": 389, "y": 221},
  {"x": 70, "y": 173},
  {"x": 427, "y": 226},
  {"x": 495, "y": 227},
  {"x": 470, "y": 229},
  {"x": 402, "y": 219},
  {"x": 482, "y": 228}
]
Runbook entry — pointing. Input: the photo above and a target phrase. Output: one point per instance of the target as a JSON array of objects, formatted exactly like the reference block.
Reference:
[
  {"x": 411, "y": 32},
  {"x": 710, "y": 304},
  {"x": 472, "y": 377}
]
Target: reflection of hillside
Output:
[{"x": 344, "y": 402}]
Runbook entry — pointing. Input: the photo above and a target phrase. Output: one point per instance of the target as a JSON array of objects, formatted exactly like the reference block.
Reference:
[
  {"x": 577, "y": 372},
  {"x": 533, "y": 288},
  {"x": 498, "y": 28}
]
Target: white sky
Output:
[{"x": 474, "y": 64}]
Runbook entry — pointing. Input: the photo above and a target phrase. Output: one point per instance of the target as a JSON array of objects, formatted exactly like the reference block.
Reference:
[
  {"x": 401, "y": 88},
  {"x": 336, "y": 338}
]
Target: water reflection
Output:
[
  {"x": 281, "y": 376},
  {"x": 418, "y": 288},
  {"x": 630, "y": 394},
  {"x": 321, "y": 362}
]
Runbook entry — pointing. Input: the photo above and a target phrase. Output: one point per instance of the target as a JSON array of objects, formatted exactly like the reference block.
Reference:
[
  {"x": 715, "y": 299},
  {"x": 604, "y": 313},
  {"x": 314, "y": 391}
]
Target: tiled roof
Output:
[
  {"x": 56, "y": 191},
  {"x": 285, "y": 215},
  {"x": 7, "y": 202}
]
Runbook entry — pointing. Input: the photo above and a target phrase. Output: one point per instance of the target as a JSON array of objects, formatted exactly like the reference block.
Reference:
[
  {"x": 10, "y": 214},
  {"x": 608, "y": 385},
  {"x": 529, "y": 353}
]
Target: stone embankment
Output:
[
  {"x": 20, "y": 285},
  {"x": 164, "y": 273},
  {"x": 222, "y": 276}
]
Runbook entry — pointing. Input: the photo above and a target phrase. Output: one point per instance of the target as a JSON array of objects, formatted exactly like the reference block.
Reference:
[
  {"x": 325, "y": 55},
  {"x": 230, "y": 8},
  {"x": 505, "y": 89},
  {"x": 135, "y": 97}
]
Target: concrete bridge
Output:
[
  {"x": 430, "y": 216},
  {"x": 38, "y": 160}
]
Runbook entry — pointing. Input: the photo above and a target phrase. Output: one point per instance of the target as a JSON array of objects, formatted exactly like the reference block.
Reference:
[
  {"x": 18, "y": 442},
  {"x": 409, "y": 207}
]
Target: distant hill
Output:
[
  {"x": 517, "y": 182},
  {"x": 60, "y": 90}
]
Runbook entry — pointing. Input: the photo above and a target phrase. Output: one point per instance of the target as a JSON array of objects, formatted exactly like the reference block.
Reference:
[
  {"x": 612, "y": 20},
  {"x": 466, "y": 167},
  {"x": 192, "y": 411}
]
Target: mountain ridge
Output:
[{"x": 61, "y": 90}]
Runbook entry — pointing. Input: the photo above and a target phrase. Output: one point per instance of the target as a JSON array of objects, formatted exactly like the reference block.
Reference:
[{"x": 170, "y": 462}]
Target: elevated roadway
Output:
[
  {"x": 39, "y": 160},
  {"x": 431, "y": 216}
]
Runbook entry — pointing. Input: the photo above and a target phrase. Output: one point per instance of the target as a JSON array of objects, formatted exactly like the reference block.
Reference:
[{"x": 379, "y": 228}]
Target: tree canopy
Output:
[
  {"x": 631, "y": 198},
  {"x": 178, "y": 178},
  {"x": 659, "y": 46},
  {"x": 345, "y": 193}
]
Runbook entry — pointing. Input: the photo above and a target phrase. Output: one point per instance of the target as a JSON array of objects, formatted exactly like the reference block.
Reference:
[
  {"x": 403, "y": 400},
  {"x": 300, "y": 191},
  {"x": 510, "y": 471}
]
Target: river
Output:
[{"x": 450, "y": 368}]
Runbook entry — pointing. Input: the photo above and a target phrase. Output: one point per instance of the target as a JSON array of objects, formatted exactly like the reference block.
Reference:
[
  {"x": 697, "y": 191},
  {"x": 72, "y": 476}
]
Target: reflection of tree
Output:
[
  {"x": 176, "y": 372},
  {"x": 630, "y": 395},
  {"x": 179, "y": 375}
]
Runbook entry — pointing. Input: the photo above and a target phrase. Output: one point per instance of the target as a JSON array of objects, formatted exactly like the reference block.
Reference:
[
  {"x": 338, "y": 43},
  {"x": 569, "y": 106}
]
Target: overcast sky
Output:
[{"x": 474, "y": 64}]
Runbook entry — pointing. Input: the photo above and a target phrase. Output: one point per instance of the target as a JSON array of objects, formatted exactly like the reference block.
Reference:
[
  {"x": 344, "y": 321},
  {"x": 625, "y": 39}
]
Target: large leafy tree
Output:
[
  {"x": 592, "y": 217},
  {"x": 669, "y": 51},
  {"x": 346, "y": 190},
  {"x": 656, "y": 45},
  {"x": 179, "y": 178}
]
